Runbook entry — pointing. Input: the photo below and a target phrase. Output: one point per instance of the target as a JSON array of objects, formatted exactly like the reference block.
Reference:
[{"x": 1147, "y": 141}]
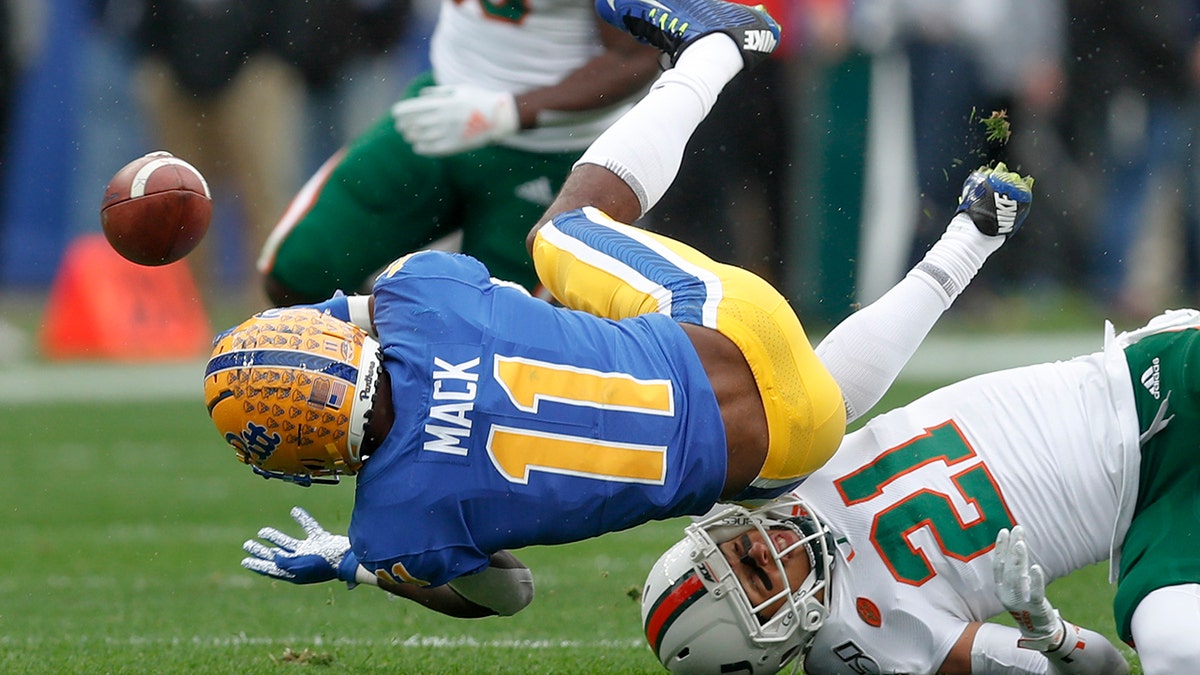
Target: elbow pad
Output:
[{"x": 504, "y": 591}]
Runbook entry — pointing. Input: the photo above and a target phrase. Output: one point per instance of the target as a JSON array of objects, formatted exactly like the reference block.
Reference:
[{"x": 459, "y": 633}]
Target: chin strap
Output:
[{"x": 302, "y": 481}]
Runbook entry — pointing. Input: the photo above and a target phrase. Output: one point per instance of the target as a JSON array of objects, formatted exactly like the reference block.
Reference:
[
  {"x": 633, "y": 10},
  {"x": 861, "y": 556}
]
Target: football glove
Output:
[
  {"x": 320, "y": 556},
  {"x": 1021, "y": 588},
  {"x": 446, "y": 120}
]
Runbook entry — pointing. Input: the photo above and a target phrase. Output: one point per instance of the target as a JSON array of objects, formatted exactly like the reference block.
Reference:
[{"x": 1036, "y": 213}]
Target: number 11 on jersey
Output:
[{"x": 516, "y": 452}]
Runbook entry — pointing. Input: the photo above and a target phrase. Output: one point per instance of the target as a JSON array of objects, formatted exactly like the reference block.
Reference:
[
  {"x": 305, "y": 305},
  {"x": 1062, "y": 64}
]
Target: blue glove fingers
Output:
[
  {"x": 311, "y": 527},
  {"x": 265, "y": 568},
  {"x": 259, "y": 551},
  {"x": 283, "y": 541}
]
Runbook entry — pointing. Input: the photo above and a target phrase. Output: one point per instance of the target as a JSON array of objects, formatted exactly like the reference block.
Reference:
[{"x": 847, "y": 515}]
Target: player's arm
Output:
[
  {"x": 630, "y": 166},
  {"x": 449, "y": 119},
  {"x": 993, "y": 649},
  {"x": 503, "y": 588},
  {"x": 1042, "y": 642},
  {"x": 624, "y": 66},
  {"x": 620, "y": 71},
  {"x": 356, "y": 309}
]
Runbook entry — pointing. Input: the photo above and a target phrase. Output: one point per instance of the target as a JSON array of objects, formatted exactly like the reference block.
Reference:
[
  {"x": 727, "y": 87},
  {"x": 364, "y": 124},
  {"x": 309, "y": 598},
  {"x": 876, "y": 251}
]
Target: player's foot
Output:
[
  {"x": 996, "y": 199},
  {"x": 672, "y": 25}
]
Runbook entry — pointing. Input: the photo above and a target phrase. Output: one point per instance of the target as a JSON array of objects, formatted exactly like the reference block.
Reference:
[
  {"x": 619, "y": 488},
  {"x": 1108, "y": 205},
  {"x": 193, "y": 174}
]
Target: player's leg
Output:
[
  {"x": 1160, "y": 552},
  {"x": 592, "y": 263},
  {"x": 629, "y": 167},
  {"x": 263, "y": 157},
  {"x": 1164, "y": 630},
  {"x": 866, "y": 351},
  {"x": 370, "y": 203}
]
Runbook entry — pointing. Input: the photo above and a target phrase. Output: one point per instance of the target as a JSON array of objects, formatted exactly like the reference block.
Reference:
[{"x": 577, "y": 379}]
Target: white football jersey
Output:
[
  {"x": 916, "y": 497},
  {"x": 519, "y": 45}
]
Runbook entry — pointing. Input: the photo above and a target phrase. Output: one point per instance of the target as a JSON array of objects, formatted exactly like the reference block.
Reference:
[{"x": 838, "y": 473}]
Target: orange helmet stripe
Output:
[{"x": 670, "y": 606}]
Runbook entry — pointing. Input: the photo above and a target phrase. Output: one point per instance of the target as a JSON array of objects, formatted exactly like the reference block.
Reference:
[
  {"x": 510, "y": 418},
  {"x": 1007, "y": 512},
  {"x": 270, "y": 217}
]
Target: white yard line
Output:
[
  {"x": 35, "y": 383},
  {"x": 413, "y": 641}
]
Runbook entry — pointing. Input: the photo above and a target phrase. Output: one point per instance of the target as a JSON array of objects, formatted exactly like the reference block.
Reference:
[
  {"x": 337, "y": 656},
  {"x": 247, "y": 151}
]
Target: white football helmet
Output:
[{"x": 697, "y": 616}]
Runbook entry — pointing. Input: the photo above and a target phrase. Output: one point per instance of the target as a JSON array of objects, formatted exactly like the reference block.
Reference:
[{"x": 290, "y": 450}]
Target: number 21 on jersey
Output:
[{"x": 929, "y": 509}]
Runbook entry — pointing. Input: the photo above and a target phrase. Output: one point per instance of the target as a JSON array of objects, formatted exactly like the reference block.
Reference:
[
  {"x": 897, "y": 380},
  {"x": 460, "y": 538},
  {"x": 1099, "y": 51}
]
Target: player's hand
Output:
[
  {"x": 446, "y": 120},
  {"x": 320, "y": 556},
  {"x": 1021, "y": 588}
]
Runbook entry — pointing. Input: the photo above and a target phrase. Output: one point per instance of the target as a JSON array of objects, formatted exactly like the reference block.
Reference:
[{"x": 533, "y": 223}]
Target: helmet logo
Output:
[{"x": 254, "y": 442}]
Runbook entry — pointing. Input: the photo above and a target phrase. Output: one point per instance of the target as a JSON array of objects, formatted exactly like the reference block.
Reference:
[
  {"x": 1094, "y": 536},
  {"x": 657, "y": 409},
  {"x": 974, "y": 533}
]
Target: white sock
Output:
[
  {"x": 867, "y": 350},
  {"x": 955, "y": 259},
  {"x": 645, "y": 146}
]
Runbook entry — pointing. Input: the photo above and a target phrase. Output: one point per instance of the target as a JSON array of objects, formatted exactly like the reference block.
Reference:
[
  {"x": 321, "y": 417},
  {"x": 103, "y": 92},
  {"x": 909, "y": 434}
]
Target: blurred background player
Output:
[
  {"x": 214, "y": 91},
  {"x": 704, "y": 387},
  {"x": 225, "y": 84},
  {"x": 480, "y": 146}
]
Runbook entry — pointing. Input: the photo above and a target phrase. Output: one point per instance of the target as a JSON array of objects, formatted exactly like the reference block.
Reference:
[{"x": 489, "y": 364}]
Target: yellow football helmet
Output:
[{"x": 291, "y": 390}]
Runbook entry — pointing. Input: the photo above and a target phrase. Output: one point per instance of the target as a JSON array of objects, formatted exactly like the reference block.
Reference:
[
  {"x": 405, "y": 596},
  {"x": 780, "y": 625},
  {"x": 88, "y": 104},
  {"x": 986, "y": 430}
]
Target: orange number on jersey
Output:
[{"x": 926, "y": 508}]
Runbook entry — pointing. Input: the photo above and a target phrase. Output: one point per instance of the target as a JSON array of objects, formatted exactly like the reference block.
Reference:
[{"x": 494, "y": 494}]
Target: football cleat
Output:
[
  {"x": 996, "y": 199},
  {"x": 672, "y": 25}
]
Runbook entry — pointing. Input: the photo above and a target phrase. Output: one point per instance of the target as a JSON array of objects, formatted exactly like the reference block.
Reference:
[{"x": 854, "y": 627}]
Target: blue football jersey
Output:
[{"x": 519, "y": 423}]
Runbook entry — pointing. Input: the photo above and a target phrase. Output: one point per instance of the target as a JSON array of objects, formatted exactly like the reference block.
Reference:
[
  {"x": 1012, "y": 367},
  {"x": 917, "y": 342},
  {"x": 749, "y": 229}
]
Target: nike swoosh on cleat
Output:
[
  {"x": 612, "y": 4},
  {"x": 653, "y": 3}
]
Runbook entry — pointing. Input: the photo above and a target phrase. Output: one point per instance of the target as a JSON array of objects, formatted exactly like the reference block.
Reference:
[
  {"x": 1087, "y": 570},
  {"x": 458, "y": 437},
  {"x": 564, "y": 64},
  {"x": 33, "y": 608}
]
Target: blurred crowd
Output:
[{"x": 828, "y": 170}]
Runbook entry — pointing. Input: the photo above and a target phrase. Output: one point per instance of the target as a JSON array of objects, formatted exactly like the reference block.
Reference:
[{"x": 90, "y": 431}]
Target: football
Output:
[{"x": 156, "y": 209}]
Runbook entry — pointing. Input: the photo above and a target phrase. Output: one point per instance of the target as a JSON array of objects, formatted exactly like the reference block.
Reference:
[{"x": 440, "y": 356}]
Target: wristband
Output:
[
  {"x": 347, "y": 569},
  {"x": 358, "y": 308}
]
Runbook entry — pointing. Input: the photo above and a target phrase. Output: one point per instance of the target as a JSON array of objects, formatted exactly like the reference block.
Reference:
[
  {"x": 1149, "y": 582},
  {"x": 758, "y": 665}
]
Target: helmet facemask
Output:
[{"x": 798, "y": 611}]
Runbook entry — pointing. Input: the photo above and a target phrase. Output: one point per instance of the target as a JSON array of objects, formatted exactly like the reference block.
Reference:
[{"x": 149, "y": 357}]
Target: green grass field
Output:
[{"x": 122, "y": 531}]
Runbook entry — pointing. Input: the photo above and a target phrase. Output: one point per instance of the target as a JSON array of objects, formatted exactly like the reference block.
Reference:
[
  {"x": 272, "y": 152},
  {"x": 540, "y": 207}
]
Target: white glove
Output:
[
  {"x": 319, "y": 557},
  {"x": 1021, "y": 588},
  {"x": 447, "y": 120}
]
